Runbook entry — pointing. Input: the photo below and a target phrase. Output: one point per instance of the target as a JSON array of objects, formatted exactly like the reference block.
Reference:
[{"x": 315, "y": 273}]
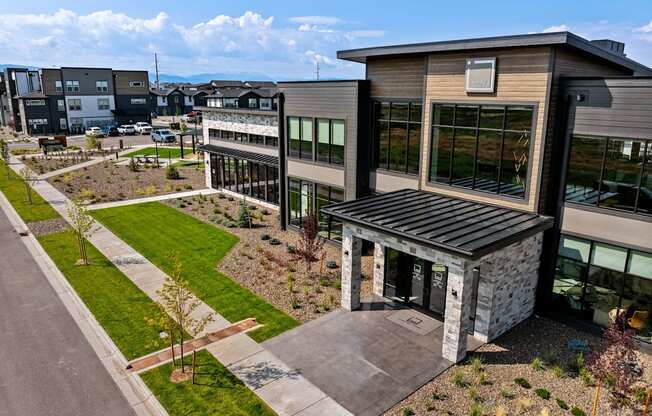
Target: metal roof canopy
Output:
[
  {"x": 240, "y": 154},
  {"x": 470, "y": 229}
]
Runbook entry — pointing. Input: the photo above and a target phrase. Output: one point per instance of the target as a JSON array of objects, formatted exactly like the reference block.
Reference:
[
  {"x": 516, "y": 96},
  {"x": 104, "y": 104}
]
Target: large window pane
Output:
[
  {"x": 397, "y": 146},
  {"x": 443, "y": 114},
  {"x": 306, "y": 138},
  {"x": 622, "y": 173},
  {"x": 383, "y": 111},
  {"x": 640, "y": 264},
  {"x": 337, "y": 142},
  {"x": 519, "y": 118},
  {"x": 645, "y": 194},
  {"x": 415, "y": 112},
  {"x": 466, "y": 116},
  {"x": 322, "y": 202},
  {"x": 486, "y": 174},
  {"x": 637, "y": 303},
  {"x": 609, "y": 256},
  {"x": 568, "y": 286},
  {"x": 399, "y": 112},
  {"x": 602, "y": 295},
  {"x": 491, "y": 117},
  {"x": 513, "y": 175},
  {"x": 414, "y": 147},
  {"x": 382, "y": 132},
  {"x": 575, "y": 248},
  {"x": 294, "y": 191},
  {"x": 440, "y": 154},
  {"x": 294, "y": 135},
  {"x": 463, "y": 157},
  {"x": 323, "y": 140},
  {"x": 585, "y": 164}
]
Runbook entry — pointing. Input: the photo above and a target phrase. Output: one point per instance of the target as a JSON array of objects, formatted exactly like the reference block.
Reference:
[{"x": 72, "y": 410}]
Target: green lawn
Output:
[
  {"x": 163, "y": 152},
  {"x": 155, "y": 230},
  {"x": 14, "y": 189},
  {"x": 216, "y": 391},
  {"x": 116, "y": 302}
]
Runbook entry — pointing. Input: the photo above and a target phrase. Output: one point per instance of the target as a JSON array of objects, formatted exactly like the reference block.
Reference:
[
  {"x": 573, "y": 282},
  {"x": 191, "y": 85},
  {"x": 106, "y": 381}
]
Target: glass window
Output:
[
  {"x": 306, "y": 138},
  {"x": 294, "y": 134},
  {"x": 102, "y": 86},
  {"x": 609, "y": 256},
  {"x": 72, "y": 86},
  {"x": 397, "y": 136},
  {"x": 323, "y": 140},
  {"x": 645, "y": 193},
  {"x": 294, "y": 212},
  {"x": 575, "y": 248},
  {"x": 103, "y": 104},
  {"x": 622, "y": 173},
  {"x": 74, "y": 104},
  {"x": 482, "y": 154},
  {"x": 585, "y": 165},
  {"x": 337, "y": 142},
  {"x": 252, "y": 103},
  {"x": 58, "y": 86},
  {"x": 265, "y": 103},
  {"x": 640, "y": 264}
]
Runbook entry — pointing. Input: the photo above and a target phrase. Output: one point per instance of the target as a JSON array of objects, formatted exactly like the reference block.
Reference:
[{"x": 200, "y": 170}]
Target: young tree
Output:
[
  {"x": 29, "y": 180},
  {"x": 311, "y": 244},
  {"x": 615, "y": 363},
  {"x": 82, "y": 225},
  {"x": 91, "y": 143},
  {"x": 179, "y": 303},
  {"x": 4, "y": 154},
  {"x": 244, "y": 216}
]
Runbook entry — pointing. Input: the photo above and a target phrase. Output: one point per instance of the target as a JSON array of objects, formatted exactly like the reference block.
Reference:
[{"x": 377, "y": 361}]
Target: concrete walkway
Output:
[
  {"x": 93, "y": 161},
  {"x": 285, "y": 390},
  {"x": 207, "y": 191}
]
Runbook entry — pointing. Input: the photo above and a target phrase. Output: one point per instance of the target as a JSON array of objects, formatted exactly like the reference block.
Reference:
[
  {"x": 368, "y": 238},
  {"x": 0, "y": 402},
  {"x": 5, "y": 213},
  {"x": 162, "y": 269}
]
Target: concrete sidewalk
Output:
[
  {"x": 285, "y": 390},
  {"x": 206, "y": 191}
]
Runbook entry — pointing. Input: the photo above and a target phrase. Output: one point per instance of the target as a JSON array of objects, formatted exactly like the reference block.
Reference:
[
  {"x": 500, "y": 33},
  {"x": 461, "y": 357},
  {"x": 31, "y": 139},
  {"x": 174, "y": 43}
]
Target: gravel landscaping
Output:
[
  {"x": 267, "y": 268},
  {"x": 106, "y": 182},
  {"x": 43, "y": 164},
  {"x": 491, "y": 384},
  {"x": 45, "y": 227}
]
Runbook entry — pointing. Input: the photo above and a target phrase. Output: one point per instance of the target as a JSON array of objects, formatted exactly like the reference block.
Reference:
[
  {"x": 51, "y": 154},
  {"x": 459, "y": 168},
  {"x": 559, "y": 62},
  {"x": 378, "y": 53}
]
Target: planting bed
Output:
[
  {"x": 106, "y": 182},
  {"x": 511, "y": 357},
  {"x": 43, "y": 164},
  {"x": 268, "y": 269}
]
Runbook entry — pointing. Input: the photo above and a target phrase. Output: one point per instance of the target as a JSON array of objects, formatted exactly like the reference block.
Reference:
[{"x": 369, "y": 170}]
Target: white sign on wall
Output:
[{"x": 480, "y": 75}]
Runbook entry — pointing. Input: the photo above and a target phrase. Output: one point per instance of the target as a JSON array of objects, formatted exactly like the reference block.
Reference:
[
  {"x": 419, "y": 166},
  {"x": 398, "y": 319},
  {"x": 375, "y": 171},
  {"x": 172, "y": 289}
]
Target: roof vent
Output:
[{"x": 617, "y": 48}]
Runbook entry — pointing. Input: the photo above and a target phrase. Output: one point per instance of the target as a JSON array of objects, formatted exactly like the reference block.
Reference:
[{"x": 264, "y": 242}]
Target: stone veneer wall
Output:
[
  {"x": 266, "y": 125},
  {"x": 507, "y": 287}
]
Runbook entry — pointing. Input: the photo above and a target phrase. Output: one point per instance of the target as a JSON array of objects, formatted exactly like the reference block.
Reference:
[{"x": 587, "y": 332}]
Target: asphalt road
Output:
[{"x": 46, "y": 365}]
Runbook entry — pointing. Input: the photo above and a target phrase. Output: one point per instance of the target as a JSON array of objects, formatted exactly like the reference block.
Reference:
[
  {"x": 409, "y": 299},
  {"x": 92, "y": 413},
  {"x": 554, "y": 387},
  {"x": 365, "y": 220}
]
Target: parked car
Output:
[
  {"x": 163, "y": 136},
  {"x": 143, "y": 128},
  {"x": 127, "y": 129},
  {"x": 192, "y": 116},
  {"x": 110, "y": 131},
  {"x": 94, "y": 132}
]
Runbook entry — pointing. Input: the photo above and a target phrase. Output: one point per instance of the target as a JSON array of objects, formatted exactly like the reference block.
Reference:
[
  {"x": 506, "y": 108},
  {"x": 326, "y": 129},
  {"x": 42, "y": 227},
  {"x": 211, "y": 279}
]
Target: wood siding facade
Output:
[{"x": 397, "y": 77}]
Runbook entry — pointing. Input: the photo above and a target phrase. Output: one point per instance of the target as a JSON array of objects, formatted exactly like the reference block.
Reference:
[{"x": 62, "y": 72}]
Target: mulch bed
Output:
[
  {"x": 267, "y": 269},
  {"x": 107, "y": 182},
  {"x": 40, "y": 228},
  {"x": 45, "y": 164},
  {"x": 506, "y": 359}
]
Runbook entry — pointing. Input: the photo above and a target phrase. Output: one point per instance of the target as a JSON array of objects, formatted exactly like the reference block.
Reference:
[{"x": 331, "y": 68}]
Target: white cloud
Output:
[
  {"x": 318, "y": 20},
  {"x": 558, "y": 28},
  {"x": 646, "y": 28},
  {"x": 222, "y": 43}
]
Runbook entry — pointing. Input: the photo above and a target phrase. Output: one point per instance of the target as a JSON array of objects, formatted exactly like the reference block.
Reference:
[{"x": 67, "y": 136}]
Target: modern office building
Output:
[
  {"x": 71, "y": 99},
  {"x": 490, "y": 176}
]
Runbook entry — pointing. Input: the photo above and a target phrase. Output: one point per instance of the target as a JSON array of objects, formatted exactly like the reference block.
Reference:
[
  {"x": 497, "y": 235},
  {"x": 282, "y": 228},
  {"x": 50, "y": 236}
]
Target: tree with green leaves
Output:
[
  {"x": 82, "y": 225},
  {"x": 179, "y": 303},
  {"x": 29, "y": 179},
  {"x": 4, "y": 154}
]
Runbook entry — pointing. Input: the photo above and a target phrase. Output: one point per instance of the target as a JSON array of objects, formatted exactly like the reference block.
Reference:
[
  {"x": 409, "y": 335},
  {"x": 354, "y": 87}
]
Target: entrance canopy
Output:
[
  {"x": 470, "y": 229},
  {"x": 240, "y": 154}
]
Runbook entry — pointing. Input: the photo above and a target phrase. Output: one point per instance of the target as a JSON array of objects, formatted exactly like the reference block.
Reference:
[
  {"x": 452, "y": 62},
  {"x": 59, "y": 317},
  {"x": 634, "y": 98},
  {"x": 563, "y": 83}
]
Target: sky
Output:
[{"x": 284, "y": 40}]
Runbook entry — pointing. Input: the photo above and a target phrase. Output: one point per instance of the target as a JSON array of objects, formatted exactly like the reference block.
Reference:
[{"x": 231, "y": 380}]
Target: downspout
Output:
[{"x": 282, "y": 176}]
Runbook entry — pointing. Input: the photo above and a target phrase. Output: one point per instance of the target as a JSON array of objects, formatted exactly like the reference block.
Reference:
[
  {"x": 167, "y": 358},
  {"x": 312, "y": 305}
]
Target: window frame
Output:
[
  {"x": 313, "y": 204},
  {"x": 104, "y": 87},
  {"x": 134, "y": 84},
  {"x": 103, "y": 107},
  {"x": 314, "y": 158},
  {"x": 35, "y": 103},
  {"x": 141, "y": 101},
  {"x": 72, "y": 85},
  {"x": 480, "y": 103},
  {"x": 61, "y": 105},
  {"x": 604, "y": 141},
  {"x": 58, "y": 85},
  {"x": 77, "y": 106},
  {"x": 408, "y": 122}
]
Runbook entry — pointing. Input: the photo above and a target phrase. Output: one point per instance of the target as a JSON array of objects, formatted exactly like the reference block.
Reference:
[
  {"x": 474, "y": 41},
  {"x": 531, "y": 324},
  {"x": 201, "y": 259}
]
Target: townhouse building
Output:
[
  {"x": 68, "y": 100},
  {"x": 489, "y": 177}
]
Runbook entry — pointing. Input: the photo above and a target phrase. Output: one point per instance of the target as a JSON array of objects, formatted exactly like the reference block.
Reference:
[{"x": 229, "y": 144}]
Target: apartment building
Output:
[
  {"x": 488, "y": 177},
  {"x": 71, "y": 99}
]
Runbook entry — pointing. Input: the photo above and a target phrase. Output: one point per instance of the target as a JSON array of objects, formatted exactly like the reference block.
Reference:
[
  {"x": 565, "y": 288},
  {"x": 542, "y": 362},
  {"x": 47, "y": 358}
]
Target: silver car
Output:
[{"x": 127, "y": 129}]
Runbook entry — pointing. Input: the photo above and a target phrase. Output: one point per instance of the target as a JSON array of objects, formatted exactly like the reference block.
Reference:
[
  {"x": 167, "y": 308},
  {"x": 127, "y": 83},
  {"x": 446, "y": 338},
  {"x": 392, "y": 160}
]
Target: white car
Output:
[
  {"x": 94, "y": 132},
  {"x": 127, "y": 129},
  {"x": 143, "y": 128}
]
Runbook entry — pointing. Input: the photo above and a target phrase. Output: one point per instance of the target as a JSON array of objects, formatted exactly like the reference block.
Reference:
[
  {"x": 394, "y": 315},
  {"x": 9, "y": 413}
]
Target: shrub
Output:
[
  {"x": 457, "y": 378},
  {"x": 639, "y": 394},
  {"x": 294, "y": 303},
  {"x": 543, "y": 393},
  {"x": 217, "y": 211},
  {"x": 520, "y": 381},
  {"x": 265, "y": 237},
  {"x": 523, "y": 405},
  {"x": 482, "y": 378},
  {"x": 133, "y": 165},
  {"x": 187, "y": 186},
  {"x": 473, "y": 394},
  {"x": 171, "y": 172},
  {"x": 407, "y": 411},
  {"x": 476, "y": 364},
  {"x": 86, "y": 194},
  {"x": 291, "y": 249},
  {"x": 550, "y": 358},
  {"x": 476, "y": 409},
  {"x": 578, "y": 345},
  {"x": 253, "y": 207},
  {"x": 500, "y": 411},
  {"x": 576, "y": 411},
  {"x": 586, "y": 377},
  {"x": 265, "y": 212},
  {"x": 577, "y": 363},
  {"x": 537, "y": 364},
  {"x": 331, "y": 264},
  {"x": 231, "y": 199},
  {"x": 274, "y": 242},
  {"x": 558, "y": 372},
  {"x": 506, "y": 394},
  {"x": 562, "y": 404},
  {"x": 244, "y": 217},
  {"x": 324, "y": 282}
]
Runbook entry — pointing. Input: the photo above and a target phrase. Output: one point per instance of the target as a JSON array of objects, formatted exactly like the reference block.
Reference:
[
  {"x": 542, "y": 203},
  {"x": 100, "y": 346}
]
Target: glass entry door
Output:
[{"x": 415, "y": 282}]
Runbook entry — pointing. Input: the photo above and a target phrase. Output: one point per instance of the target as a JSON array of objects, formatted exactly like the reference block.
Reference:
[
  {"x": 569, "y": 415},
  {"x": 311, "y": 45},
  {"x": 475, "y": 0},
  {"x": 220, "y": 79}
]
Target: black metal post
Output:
[
  {"x": 156, "y": 147},
  {"x": 181, "y": 142}
]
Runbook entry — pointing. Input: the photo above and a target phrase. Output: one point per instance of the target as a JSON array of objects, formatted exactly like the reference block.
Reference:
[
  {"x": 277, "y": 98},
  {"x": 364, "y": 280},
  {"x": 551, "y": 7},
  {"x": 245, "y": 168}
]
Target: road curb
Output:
[{"x": 138, "y": 395}]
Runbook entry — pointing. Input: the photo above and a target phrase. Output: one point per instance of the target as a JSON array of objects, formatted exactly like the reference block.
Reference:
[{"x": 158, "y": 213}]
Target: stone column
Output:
[
  {"x": 379, "y": 269},
  {"x": 458, "y": 311},
  {"x": 351, "y": 269}
]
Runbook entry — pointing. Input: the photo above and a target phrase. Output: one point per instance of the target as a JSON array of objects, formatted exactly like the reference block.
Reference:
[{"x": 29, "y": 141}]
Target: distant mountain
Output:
[{"x": 206, "y": 77}]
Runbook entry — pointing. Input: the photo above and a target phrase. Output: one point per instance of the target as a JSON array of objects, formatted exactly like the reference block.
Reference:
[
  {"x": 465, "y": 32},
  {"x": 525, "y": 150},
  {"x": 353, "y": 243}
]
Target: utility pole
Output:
[
  {"x": 317, "y": 71},
  {"x": 156, "y": 66}
]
